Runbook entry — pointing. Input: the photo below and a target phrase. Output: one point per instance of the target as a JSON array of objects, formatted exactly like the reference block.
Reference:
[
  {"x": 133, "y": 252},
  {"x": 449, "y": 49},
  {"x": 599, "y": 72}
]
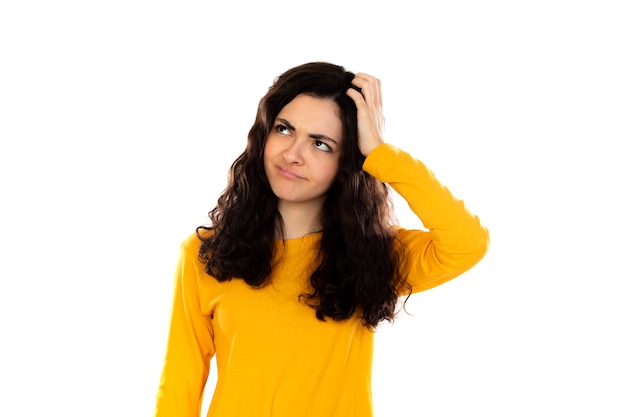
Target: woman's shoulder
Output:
[{"x": 194, "y": 240}]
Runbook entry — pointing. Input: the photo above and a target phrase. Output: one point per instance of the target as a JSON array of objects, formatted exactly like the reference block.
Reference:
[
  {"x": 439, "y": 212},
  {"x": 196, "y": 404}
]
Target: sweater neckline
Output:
[
  {"x": 307, "y": 241},
  {"x": 307, "y": 237}
]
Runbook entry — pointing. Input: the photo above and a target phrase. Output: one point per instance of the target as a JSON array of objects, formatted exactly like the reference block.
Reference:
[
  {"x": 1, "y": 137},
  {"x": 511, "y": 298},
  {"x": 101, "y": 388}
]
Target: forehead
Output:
[{"x": 313, "y": 114}]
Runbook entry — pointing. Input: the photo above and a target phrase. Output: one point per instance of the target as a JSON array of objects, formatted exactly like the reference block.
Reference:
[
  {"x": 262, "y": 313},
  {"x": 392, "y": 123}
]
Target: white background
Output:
[{"x": 119, "y": 120}]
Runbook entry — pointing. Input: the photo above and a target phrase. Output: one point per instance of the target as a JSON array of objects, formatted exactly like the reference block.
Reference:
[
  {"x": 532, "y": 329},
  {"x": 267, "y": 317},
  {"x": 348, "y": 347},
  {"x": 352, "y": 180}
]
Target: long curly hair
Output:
[{"x": 357, "y": 267}]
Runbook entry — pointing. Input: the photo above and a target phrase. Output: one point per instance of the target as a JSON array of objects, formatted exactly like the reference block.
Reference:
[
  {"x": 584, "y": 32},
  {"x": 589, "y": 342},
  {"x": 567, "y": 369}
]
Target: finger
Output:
[
  {"x": 364, "y": 83},
  {"x": 370, "y": 88},
  {"x": 355, "y": 93}
]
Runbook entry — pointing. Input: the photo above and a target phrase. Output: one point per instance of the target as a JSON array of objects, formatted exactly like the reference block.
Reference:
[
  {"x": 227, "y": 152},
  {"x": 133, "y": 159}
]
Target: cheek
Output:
[
  {"x": 270, "y": 149},
  {"x": 330, "y": 172},
  {"x": 268, "y": 152}
]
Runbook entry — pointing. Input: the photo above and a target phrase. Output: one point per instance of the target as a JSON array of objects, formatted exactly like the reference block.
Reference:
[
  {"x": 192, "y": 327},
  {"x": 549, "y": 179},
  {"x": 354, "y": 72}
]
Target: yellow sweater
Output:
[{"x": 274, "y": 358}]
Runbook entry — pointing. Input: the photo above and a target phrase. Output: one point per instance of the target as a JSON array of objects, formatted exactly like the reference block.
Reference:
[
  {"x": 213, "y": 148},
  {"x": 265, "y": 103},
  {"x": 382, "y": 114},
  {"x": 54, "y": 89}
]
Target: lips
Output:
[{"x": 288, "y": 173}]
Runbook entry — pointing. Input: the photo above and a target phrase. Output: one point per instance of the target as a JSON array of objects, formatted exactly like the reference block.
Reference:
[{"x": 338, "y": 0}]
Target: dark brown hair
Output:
[{"x": 357, "y": 269}]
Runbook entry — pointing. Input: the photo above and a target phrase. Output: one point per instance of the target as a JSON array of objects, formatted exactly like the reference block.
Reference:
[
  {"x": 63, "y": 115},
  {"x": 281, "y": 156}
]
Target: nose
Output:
[{"x": 294, "y": 153}]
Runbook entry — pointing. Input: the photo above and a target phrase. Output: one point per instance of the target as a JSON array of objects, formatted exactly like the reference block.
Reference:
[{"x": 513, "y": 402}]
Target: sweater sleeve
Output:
[
  {"x": 454, "y": 240},
  {"x": 190, "y": 344}
]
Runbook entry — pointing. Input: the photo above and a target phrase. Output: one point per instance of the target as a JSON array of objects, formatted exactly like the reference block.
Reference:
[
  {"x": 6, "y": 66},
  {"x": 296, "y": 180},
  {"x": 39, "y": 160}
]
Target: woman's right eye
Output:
[{"x": 282, "y": 129}]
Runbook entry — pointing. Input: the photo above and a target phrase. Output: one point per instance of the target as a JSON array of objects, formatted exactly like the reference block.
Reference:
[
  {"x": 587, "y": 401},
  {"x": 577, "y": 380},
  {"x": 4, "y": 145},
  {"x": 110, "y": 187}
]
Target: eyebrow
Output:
[{"x": 311, "y": 135}]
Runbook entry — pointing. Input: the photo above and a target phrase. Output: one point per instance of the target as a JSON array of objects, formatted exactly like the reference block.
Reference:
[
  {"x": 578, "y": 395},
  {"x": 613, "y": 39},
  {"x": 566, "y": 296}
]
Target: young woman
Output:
[{"x": 300, "y": 261}]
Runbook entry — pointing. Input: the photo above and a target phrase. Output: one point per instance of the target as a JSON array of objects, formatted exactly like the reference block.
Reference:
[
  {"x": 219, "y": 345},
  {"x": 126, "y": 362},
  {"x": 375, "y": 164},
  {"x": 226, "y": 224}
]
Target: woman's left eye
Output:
[{"x": 322, "y": 146}]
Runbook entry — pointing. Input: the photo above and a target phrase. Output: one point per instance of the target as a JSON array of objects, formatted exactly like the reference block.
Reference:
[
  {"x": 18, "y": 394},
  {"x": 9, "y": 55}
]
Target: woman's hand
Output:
[{"x": 369, "y": 105}]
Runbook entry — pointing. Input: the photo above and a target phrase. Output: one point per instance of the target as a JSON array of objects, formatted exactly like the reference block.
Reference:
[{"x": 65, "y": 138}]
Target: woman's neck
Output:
[{"x": 299, "y": 220}]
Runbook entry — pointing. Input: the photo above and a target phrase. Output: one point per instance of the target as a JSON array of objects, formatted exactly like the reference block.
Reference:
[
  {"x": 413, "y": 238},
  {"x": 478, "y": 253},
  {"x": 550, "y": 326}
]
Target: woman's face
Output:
[{"x": 302, "y": 150}]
